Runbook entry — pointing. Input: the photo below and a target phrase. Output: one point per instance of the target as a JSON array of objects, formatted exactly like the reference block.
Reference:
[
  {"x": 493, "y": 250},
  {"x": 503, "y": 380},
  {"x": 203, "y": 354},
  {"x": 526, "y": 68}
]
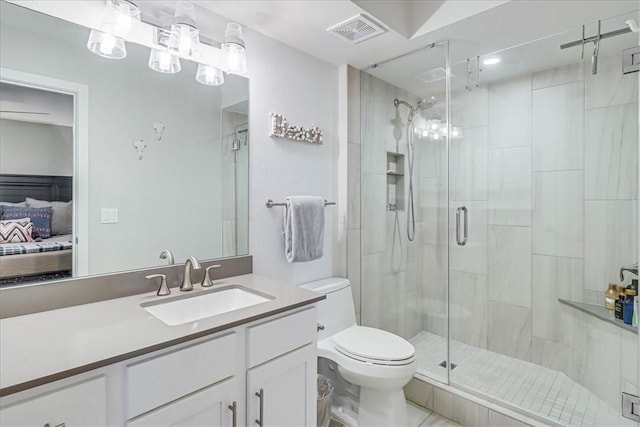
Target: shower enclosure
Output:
[{"x": 498, "y": 199}]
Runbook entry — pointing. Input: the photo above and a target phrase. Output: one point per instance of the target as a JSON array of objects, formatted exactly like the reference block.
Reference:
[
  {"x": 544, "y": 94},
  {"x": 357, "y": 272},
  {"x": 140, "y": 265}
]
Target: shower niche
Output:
[{"x": 395, "y": 181}]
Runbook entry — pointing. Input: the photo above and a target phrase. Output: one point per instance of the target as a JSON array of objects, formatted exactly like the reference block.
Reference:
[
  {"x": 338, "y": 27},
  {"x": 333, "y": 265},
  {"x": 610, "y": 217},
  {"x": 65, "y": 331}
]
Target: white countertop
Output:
[{"x": 44, "y": 347}]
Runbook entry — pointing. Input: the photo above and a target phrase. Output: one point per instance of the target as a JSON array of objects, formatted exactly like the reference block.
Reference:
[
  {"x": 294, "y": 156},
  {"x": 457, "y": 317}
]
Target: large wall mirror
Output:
[{"x": 123, "y": 162}]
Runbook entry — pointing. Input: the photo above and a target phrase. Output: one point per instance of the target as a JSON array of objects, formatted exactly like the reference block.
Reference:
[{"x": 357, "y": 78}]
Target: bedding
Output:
[
  {"x": 44, "y": 260},
  {"x": 40, "y": 218},
  {"x": 61, "y": 214},
  {"x": 16, "y": 231},
  {"x": 57, "y": 243}
]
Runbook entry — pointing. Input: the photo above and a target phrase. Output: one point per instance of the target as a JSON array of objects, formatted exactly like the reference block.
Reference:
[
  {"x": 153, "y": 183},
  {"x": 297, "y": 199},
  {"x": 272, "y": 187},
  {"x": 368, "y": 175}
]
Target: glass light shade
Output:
[
  {"x": 164, "y": 62},
  {"x": 210, "y": 76},
  {"x": 118, "y": 16},
  {"x": 233, "y": 49},
  {"x": 106, "y": 45},
  {"x": 185, "y": 36}
]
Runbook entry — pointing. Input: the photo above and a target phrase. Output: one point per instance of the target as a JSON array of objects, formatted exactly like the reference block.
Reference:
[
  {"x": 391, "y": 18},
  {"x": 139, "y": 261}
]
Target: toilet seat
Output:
[{"x": 373, "y": 346}]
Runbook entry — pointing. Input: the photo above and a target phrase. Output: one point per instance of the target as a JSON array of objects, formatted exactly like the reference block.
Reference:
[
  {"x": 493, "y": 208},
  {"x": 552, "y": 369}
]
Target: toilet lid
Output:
[{"x": 373, "y": 345}]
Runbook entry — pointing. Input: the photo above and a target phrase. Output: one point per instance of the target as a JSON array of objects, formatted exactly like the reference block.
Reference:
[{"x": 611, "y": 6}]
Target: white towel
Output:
[{"x": 303, "y": 228}]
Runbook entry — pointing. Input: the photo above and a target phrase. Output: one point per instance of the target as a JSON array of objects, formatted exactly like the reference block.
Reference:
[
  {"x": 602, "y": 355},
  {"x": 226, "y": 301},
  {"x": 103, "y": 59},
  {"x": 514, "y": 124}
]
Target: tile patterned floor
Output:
[
  {"x": 542, "y": 391},
  {"x": 418, "y": 417}
]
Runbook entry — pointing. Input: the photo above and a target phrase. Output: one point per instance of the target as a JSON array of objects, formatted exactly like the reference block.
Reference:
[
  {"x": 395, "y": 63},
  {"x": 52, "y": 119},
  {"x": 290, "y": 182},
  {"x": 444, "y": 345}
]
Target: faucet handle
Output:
[
  {"x": 163, "y": 289},
  {"x": 206, "y": 280},
  {"x": 166, "y": 254}
]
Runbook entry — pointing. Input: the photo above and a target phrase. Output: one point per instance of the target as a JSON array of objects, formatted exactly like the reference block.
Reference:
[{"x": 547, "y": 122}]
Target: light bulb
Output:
[
  {"x": 208, "y": 75},
  {"x": 118, "y": 17},
  {"x": 163, "y": 62},
  {"x": 106, "y": 45},
  {"x": 233, "y": 49}
]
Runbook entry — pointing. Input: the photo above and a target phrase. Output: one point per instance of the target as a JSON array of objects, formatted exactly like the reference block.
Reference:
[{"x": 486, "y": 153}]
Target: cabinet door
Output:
[
  {"x": 207, "y": 407},
  {"x": 81, "y": 404},
  {"x": 288, "y": 385}
]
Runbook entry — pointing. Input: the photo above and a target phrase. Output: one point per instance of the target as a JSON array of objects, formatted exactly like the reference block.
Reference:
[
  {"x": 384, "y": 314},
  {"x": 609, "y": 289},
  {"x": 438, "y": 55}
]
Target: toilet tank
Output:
[{"x": 336, "y": 312}]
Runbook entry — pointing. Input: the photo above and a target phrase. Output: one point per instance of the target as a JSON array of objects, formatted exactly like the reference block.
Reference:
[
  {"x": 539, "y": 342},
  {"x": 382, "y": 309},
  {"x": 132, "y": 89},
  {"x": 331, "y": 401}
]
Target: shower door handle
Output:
[{"x": 466, "y": 226}]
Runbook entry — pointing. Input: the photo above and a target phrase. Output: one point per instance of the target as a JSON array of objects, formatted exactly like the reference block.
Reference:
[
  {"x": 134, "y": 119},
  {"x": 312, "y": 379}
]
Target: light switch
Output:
[{"x": 109, "y": 216}]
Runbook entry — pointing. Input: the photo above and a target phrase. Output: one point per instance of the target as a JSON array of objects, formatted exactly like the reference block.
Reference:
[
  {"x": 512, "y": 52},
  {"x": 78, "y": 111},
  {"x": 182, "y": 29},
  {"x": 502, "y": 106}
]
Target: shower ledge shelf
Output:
[{"x": 599, "y": 312}]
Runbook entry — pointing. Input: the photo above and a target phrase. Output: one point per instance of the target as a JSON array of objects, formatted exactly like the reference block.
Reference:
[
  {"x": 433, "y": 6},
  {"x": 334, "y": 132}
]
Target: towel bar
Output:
[{"x": 270, "y": 203}]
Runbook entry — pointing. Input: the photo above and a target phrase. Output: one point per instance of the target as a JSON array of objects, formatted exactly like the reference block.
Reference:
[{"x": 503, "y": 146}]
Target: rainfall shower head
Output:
[
  {"x": 424, "y": 104},
  {"x": 421, "y": 105}
]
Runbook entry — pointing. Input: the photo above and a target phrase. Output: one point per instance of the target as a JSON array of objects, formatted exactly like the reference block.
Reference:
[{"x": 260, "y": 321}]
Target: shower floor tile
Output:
[{"x": 542, "y": 391}]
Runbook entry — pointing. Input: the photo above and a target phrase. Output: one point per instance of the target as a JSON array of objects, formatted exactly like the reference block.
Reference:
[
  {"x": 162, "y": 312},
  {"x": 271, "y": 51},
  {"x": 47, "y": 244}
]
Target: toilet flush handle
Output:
[{"x": 320, "y": 327}]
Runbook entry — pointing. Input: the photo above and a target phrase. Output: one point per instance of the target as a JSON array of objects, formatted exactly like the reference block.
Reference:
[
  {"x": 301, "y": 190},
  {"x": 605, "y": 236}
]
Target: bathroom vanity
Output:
[{"x": 114, "y": 363}]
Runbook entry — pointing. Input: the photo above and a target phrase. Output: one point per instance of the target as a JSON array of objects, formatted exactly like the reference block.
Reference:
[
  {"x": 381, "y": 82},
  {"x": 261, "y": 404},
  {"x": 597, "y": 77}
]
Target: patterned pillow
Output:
[
  {"x": 61, "y": 215},
  {"x": 16, "y": 231},
  {"x": 40, "y": 218}
]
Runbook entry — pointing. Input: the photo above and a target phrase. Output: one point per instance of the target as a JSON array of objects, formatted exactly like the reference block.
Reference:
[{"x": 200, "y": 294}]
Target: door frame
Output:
[{"x": 80, "y": 93}]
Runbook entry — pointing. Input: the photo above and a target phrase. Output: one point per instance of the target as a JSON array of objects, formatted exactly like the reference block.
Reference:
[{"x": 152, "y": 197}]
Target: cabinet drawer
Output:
[
  {"x": 276, "y": 337},
  {"x": 208, "y": 407},
  {"x": 81, "y": 404},
  {"x": 162, "y": 379}
]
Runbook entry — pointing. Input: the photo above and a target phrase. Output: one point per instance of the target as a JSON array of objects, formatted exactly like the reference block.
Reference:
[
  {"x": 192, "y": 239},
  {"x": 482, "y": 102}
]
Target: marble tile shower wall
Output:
[
  {"x": 548, "y": 170},
  {"x": 391, "y": 268}
]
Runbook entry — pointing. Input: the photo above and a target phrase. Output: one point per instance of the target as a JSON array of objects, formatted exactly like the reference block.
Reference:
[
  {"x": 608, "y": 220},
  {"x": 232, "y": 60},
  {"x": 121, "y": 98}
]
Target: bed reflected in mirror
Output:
[{"x": 36, "y": 184}]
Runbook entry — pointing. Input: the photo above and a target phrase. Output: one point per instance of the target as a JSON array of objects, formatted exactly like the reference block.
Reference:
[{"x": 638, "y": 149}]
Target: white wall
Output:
[
  {"x": 304, "y": 90},
  {"x": 35, "y": 149}
]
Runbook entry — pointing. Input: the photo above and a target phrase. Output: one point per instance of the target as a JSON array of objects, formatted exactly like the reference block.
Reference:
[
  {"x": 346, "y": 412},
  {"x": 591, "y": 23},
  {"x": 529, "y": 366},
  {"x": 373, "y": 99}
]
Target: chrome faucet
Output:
[
  {"x": 190, "y": 264},
  {"x": 630, "y": 268},
  {"x": 166, "y": 254}
]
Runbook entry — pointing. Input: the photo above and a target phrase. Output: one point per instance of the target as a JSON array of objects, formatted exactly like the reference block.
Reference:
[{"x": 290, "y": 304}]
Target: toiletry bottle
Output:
[
  {"x": 610, "y": 296},
  {"x": 620, "y": 304},
  {"x": 636, "y": 306},
  {"x": 627, "y": 309}
]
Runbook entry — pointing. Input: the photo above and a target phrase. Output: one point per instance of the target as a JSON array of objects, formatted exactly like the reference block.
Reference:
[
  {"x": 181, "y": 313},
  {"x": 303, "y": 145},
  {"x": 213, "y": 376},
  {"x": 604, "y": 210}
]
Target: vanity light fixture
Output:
[
  {"x": 210, "y": 76},
  {"x": 181, "y": 40},
  {"x": 184, "y": 37},
  {"x": 106, "y": 45},
  {"x": 233, "y": 49},
  {"x": 163, "y": 61}
]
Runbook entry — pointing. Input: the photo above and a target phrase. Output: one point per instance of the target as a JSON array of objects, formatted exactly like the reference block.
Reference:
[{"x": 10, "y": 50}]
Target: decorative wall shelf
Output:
[{"x": 600, "y": 312}]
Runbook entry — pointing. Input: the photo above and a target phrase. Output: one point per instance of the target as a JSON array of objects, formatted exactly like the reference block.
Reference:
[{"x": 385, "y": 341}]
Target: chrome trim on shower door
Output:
[{"x": 466, "y": 226}]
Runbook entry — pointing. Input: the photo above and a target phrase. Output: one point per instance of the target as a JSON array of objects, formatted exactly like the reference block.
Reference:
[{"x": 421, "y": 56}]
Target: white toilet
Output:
[{"x": 379, "y": 362}]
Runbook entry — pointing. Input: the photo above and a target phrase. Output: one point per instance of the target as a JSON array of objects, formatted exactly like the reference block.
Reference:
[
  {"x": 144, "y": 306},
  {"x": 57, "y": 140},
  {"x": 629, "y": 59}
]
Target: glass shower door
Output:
[
  {"x": 404, "y": 203},
  {"x": 544, "y": 178}
]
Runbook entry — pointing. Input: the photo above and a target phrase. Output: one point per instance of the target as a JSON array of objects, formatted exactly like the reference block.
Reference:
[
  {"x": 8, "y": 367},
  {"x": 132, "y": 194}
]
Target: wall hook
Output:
[
  {"x": 139, "y": 146},
  {"x": 158, "y": 127}
]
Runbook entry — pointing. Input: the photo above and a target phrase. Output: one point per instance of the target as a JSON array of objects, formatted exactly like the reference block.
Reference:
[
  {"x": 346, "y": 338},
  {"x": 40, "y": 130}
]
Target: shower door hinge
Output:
[
  {"x": 631, "y": 60},
  {"x": 631, "y": 407}
]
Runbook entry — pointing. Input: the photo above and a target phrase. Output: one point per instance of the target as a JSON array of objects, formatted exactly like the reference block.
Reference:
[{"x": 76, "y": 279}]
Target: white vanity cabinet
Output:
[
  {"x": 281, "y": 380},
  {"x": 209, "y": 381},
  {"x": 82, "y": 403}
]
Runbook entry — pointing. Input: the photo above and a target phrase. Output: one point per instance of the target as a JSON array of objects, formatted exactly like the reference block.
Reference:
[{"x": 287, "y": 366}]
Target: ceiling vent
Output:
[{"x": 357, "y": 29}]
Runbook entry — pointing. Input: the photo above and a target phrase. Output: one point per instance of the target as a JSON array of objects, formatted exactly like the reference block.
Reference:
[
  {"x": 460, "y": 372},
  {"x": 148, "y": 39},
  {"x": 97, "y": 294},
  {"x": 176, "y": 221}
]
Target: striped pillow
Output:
[{"x": 16, "y": 231}]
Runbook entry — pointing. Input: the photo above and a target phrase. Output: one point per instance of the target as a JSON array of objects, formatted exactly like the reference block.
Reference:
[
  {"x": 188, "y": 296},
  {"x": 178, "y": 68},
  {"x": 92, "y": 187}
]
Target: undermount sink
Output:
[{"x": 188, "y": 308}]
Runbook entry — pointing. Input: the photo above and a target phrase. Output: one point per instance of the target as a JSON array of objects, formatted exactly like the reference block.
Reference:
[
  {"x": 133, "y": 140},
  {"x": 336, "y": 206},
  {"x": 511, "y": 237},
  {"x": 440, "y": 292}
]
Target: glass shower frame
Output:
[{"x": 447, "y": 204}]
